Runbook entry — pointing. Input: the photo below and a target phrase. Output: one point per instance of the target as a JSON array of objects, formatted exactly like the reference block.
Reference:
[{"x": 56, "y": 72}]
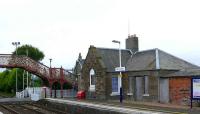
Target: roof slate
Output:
[
  {"x": 168, "y": 61},
  {"x": 110, "y": 57},
  {"x": 144, "y": 60}
]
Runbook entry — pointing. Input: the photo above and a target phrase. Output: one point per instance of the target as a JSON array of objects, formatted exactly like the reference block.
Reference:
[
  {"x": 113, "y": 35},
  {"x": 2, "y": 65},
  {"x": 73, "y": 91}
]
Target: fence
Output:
[{"x": 70, "y": 93}]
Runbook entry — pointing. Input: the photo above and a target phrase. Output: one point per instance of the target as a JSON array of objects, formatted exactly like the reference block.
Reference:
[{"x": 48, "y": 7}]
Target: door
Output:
[
  {"x": 164, "y": 90},
  {"x": 139, "y": 88}
]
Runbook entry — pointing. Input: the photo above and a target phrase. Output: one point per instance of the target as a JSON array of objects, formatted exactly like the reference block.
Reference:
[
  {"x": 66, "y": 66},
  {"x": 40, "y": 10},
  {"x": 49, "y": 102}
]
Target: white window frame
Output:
[
  {"x": 92, "y": 86},
  {"x": 118, "y": 92}
]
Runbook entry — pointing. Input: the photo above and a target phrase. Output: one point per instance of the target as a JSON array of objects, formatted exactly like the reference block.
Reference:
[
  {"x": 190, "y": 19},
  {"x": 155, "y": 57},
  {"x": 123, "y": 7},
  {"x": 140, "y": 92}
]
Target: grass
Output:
[{"x": 5, "y": 94}]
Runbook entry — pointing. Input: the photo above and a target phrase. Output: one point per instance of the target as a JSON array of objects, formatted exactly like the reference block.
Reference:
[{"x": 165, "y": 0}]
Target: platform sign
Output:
[
  {"x": 195, "y": 93},
  {"x": 120, "y": 69}
]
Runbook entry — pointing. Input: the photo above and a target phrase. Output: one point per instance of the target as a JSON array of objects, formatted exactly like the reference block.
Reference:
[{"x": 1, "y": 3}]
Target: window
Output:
[
  {"x": 114, "y": 84},
  {"x": 92, "y": 80},
  {"x": 130, "y": 82},
  {"x": 92, "y": 77},
  {"x": 146, "y": 86}
]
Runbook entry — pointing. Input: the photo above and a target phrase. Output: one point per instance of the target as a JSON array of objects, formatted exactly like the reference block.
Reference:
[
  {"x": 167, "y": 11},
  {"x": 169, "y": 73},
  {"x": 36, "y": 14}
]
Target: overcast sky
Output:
[{"x": 63, "y": 28}]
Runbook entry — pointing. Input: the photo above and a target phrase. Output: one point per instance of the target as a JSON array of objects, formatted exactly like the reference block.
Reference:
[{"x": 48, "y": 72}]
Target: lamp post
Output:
[
  {"x": 50, "y": 62},
  {"x": 120, "y": 73},
  {"x": 50, "y": 76},
  {"x": 27, "y": 71},
  {"x": 16, "y": 45}
]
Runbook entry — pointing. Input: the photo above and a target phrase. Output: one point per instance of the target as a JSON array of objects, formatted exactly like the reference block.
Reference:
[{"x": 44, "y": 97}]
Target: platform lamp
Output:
[
  {"x": 16, "y": 45},
  {"x": 50, "y": 75},
  {"x": 120, "y": 73},
  {"x": 50, "y": 62}
]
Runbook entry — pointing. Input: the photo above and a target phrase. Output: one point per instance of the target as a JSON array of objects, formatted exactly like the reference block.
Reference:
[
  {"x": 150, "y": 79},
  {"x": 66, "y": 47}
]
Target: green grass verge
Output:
[{"x": 5, "y": 94}]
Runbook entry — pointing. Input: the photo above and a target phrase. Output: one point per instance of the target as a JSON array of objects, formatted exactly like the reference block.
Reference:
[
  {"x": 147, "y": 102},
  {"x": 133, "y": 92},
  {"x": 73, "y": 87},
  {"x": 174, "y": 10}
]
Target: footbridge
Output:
[{"x": 47, "y": 74}]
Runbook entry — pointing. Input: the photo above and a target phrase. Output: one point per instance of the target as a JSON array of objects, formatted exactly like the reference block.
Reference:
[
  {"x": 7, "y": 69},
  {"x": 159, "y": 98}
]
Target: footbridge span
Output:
[{"x": 51, "y": 75}]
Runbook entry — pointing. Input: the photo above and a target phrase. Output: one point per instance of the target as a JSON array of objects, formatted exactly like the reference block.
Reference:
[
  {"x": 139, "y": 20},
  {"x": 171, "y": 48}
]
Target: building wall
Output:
[
  {"x": 103, "y": 87},
  {"x": 92, "y": 61},
  {"x": 152, "y": 85},
  {"x": 109, "y": 85},
  {"x": 152, "y": 90},
  {"x": 179, "y": 87},
  {"x": 77, "y": 72},
  {"x": 164, "y": 90},
  {"x": 179, "y": 90}
]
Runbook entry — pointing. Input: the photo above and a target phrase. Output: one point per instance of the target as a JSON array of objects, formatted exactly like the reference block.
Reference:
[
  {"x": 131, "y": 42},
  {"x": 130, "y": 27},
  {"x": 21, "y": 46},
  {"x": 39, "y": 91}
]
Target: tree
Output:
[{"x": 31, "y": 51}]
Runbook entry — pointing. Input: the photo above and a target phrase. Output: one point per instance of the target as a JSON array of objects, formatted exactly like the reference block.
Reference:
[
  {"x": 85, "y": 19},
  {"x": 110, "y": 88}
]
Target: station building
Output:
[{"x": 150, "y": 75}]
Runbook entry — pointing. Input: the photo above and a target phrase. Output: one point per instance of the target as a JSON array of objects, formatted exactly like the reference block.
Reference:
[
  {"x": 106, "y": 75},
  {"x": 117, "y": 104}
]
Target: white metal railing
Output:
[
  {"x": 40, "y": 92},
  {"x": 19, "y": 95}
]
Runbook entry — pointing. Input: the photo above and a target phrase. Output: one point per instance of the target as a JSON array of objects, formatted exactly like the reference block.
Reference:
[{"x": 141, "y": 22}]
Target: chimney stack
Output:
[{"x": 132, "y": 43}]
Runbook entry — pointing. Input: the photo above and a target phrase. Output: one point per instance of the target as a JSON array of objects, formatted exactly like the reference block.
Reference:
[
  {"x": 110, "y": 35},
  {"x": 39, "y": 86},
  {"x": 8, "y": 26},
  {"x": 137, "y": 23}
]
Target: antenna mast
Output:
[{"x": 128, "y": 27}]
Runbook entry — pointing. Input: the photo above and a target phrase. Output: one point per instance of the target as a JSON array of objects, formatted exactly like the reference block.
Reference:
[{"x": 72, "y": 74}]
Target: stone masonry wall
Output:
[
  {"x": 92, "y": 61},
  {"x": 153, "y": 90},
  {"x": 109, "y": 85}
]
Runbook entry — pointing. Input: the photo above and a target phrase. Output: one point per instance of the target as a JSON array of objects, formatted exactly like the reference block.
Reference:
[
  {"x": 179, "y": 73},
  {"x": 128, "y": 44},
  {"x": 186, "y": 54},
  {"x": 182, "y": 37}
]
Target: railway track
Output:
[
  {"x": 28, "y": 109},
  {"x": 52, "y": 111},
  {"x": 20, "y": 109}
]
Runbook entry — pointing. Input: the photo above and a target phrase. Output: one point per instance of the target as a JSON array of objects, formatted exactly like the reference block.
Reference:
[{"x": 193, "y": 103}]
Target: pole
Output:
[
  {"x": 27, "y": 75},
  {"x": 50, "y": 62},
  {"x": 45, "y": 92},
  {"x": 191, "y": 94},
  {"x": 27, "y": 79},
  {"x": 16, "y": 80},
  {"x": 23, "y": 84},
  {"x": 16, "y": 44},
  {"x": 16, "y": 72},
  {"x": 120, "y": 73}
]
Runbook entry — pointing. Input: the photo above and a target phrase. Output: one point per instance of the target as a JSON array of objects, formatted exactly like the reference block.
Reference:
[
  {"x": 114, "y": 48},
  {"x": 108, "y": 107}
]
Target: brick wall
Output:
[{"x": 179, "y": 90}]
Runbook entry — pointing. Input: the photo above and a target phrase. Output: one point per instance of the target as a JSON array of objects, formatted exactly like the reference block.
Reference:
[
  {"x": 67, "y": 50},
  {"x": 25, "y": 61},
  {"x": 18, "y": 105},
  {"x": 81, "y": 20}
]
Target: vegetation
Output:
[
  {"x": 6, "y": 94},
  {"x": 8, "y": 77},
  {"x": 31, "y": 51}
]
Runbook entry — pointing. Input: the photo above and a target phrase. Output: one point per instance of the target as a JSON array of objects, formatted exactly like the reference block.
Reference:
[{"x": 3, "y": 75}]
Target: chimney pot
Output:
[{"x": 132, "y": 43}]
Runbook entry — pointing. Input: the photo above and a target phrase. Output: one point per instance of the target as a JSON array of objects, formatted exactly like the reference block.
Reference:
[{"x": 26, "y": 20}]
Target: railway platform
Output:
[
  {"x": 9, "y": 100},
  {"x": 126, "y": 107}
]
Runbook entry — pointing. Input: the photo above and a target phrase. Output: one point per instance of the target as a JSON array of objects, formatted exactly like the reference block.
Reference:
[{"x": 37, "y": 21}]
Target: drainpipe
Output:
[{"x": 157, "y": 68}]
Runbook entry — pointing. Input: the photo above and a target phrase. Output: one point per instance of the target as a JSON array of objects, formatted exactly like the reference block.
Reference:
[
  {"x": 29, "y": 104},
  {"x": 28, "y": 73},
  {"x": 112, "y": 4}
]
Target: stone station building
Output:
[{"x": 151, "y": 75}]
